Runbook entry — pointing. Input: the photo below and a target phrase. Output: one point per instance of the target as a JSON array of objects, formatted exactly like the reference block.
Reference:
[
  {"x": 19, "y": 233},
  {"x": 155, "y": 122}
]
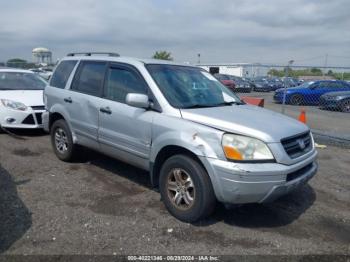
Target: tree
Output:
[
  {"x": 275, "y": 72},
  {"x": 16, "y": 62},
  {"x": 330, "y": 73},
  {"x": 162, "y": 55},
  {"x": 316, "y": 71}
]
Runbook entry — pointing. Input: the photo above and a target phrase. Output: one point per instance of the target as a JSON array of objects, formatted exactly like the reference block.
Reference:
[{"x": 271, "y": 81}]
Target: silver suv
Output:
[{"x": 198, "y": 140}]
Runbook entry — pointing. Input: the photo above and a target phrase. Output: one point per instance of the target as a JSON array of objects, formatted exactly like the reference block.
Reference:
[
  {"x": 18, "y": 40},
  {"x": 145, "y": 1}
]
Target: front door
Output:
[{"x": 124, "y": 131}]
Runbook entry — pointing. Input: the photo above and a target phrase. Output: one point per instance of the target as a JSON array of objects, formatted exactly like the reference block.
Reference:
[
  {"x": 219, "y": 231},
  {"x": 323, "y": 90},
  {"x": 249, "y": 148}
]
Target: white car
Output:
[
  {"x": 21, "y": 99},
  {"x": 43, "y": 73}
]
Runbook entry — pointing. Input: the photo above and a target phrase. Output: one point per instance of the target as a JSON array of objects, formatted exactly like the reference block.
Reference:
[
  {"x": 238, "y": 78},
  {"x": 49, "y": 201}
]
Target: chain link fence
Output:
[{"x": 321, "y": 102}]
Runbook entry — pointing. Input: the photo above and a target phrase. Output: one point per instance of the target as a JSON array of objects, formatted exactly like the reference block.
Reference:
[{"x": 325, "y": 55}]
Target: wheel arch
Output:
[
  {"x": 54, "y": 117},
  {"x": 165, "y": 153},
  {"x": 59, "y": 112},
  {"x": 290, "y": 97}
]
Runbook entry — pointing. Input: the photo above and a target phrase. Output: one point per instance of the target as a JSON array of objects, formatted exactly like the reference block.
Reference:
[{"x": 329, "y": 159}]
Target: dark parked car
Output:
[
  {"x": 309, "y": 93},
  {"x": 291, "y": 81},
  {"x": 262, "y": 85},
  {"x": 226, "y": 80},
  {"x": 241, "y": 84},
  {"x": 275, "y": 83},
  {"x": 336, "y": 101}
]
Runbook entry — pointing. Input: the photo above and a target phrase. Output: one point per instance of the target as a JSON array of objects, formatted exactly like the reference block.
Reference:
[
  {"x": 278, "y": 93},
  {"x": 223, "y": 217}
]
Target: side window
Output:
[
  {"x": 323, "y": 85},
  {"x": 340, "y": 85},
  {"x": 60, "y": 76},
  {"x": 334, "y": 85},
  {"x": 89, "y": 78},
  {"x": 120, "y": 82}
]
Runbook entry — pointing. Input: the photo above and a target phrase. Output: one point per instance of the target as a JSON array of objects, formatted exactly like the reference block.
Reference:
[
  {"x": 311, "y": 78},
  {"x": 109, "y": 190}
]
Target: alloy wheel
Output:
[
  {"x": 180, "y": 188},
  {"x": 61, "y": 140},
  {"x": 346, "y": 106}
]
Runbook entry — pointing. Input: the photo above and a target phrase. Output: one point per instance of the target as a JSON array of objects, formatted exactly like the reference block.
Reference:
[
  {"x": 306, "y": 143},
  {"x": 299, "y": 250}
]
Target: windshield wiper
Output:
[
  {"x": 229, "y": 103},
  {"x": 197, "y": 106}
]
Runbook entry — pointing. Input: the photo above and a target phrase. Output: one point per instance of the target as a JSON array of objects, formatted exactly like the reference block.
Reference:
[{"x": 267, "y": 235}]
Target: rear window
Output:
[
  {"x": 89, "y": 78},
  {"x": 60, "y": 76}
]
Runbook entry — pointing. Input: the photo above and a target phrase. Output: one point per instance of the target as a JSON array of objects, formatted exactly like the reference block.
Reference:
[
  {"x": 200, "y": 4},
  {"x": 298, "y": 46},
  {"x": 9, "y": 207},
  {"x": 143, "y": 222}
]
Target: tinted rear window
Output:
[
  {"x": 89, "y": 78},
  {"x": 60, "y": 76}
]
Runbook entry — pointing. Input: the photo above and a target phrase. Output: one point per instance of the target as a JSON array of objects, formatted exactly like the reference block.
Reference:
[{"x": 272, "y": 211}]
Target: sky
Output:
[{"x": 265, "y": 31}]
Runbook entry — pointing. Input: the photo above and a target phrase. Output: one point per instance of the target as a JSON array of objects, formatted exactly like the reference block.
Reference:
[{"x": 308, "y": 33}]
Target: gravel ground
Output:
[{"x": 102, "y": 206}]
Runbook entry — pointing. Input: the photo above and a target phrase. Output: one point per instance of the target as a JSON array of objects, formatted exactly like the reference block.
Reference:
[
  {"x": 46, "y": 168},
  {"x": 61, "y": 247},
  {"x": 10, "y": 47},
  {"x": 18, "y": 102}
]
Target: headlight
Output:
[
  {"x": 14, "y": 105},
  {"x": 243, "y": 148}
]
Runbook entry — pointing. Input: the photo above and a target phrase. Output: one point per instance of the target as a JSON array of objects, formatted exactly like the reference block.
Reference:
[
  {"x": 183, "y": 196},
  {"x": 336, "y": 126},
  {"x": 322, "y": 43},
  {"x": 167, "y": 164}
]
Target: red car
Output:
[{"x": 225, "y": 80}]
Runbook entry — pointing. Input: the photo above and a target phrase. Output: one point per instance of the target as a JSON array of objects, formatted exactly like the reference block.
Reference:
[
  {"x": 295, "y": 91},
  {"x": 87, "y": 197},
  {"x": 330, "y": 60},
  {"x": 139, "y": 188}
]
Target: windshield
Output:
[
  {"x": 21, "y": 81},
  {"x": 190, "y": 87},
  {"x": 306, "y": 84}
]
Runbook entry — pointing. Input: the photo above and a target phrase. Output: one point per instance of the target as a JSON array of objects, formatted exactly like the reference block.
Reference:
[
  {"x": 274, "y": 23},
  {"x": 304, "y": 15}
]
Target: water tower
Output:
[{"x": 42, "y": 55}]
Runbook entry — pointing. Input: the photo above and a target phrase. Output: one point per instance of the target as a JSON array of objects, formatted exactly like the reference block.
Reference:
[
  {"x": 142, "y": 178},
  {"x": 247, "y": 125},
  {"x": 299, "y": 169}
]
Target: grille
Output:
[
  {"x": 39, "y": 118},
  {"x": 297, "y": 145},
  {"x": 299, "y": 173},
  {"x": 29, "y": 120},
  {"x": 38, "y": 107}
]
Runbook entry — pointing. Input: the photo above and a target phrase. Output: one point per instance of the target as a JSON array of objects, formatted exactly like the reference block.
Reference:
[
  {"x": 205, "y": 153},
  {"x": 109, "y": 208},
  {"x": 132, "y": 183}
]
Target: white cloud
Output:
[{"x": 222, "y": 31}]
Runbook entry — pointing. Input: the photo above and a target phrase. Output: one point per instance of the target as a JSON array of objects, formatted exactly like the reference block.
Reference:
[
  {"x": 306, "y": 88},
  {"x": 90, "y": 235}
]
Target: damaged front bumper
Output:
[{"x": 239, "y": 183}]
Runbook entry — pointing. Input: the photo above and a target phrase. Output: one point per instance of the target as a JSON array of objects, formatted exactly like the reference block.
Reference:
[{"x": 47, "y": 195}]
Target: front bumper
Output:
[
  {"x": 262, "y": 89},
  {"x": 46, "y": 121},
  {"x": 278, "y": 97},
  {"x": 239, "y": 183},
  {"x": 242, "y": 89},
  {"x": 29, "y": 119}
]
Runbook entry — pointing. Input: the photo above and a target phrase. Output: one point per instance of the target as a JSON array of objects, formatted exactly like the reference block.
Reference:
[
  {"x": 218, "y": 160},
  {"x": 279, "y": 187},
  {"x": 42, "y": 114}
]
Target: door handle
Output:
[
  {"x": 68, "y": 100},
  {"x": 106, "y": 110}
]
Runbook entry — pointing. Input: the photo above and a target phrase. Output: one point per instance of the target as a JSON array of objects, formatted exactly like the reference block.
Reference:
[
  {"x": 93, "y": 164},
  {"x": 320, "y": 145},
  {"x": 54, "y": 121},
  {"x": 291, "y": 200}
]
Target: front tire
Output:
[
  {"x": 345, "y": 106},
  {"x": 297, "y": 100},
  {"x": 186, "y": 189},
  {"x": 62, "y": 141}
]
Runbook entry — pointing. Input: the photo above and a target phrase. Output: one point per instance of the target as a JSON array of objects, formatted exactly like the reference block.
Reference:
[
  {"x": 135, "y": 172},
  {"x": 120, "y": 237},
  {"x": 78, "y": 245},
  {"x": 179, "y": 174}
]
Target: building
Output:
[
  {"x": 237, "y": 69},
  {"x": 42, "y": 55}
]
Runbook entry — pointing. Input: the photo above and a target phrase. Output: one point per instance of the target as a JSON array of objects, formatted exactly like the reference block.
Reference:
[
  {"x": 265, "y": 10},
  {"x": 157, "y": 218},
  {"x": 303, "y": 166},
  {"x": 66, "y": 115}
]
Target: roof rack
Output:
[{"x": 93, "y": 53}]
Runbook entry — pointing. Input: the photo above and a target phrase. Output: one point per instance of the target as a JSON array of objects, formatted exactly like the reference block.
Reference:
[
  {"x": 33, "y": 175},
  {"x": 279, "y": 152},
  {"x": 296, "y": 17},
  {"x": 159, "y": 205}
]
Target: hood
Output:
[
  {"x": 27, "y": 97},
  {"x": 253, "y": 121},
  {"x": 340, "y": 93}
]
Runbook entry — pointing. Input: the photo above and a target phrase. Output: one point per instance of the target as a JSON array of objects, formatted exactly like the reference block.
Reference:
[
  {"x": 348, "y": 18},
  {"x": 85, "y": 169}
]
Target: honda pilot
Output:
[{"x": 200, "y": 142}]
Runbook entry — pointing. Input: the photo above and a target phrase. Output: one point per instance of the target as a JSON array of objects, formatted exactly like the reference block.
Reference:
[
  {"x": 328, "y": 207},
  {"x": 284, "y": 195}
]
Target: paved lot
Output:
[
  {"x": 328, "y": 122},
  {"x": 102, "y": 206}
]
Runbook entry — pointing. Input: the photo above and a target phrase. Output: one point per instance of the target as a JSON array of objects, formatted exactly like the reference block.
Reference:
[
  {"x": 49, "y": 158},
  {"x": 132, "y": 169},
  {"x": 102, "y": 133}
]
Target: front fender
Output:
[{"x": 206, "y": 144}]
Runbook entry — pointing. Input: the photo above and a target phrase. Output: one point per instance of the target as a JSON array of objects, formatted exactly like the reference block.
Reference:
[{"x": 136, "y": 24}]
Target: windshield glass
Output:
[
  {"x": 190, "y": 87},
  {"x": 306, "y": 84},
  {"x": 21, "y": 81}
]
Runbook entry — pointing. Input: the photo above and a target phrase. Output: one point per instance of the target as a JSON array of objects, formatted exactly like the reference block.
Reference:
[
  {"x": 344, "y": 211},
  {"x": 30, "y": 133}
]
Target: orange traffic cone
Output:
[{"x": 302, "y": 116}]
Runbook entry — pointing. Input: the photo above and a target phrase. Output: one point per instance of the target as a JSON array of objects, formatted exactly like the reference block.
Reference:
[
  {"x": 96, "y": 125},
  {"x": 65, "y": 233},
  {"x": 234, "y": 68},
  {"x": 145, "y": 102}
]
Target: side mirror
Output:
[{"x": 137, "y": 100}]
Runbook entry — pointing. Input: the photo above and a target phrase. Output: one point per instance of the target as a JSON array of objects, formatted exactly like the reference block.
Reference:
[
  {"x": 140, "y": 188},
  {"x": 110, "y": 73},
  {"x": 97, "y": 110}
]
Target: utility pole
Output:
[
  {"x": 325, "y": 64},
  {"x": 290, "y": 62}
]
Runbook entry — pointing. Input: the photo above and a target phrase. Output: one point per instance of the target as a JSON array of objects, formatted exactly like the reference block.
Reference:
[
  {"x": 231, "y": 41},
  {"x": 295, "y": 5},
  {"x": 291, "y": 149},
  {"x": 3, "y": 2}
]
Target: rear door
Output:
[
  {"x": 56, "y": 90},
  {"x": 125, "y": 131},
  {"x": 83, "y": 101},
  {"x": 320, "y": 89}
]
